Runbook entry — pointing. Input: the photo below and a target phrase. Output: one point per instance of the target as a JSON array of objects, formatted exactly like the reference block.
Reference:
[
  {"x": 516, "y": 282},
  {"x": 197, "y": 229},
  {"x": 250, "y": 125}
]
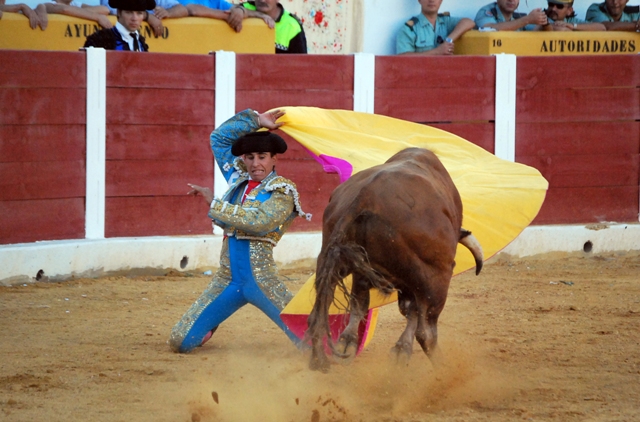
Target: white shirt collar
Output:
[{"x": 123, "y": 31}]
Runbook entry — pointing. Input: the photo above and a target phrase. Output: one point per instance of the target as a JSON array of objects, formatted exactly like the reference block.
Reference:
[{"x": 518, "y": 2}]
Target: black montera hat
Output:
[
  {"x": 137, "y": 5},
  {"x": 259, "y": 142}
]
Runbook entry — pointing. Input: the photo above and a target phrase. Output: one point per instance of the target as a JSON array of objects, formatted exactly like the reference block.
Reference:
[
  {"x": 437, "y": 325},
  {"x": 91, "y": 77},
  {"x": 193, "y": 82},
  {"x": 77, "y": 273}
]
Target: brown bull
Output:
[{"x": 394, "y": 227}]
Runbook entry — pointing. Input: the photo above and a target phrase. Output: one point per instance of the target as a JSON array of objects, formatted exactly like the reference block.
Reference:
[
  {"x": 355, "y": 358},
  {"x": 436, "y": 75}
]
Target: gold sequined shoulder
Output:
[{"x": 287, "y": 187}]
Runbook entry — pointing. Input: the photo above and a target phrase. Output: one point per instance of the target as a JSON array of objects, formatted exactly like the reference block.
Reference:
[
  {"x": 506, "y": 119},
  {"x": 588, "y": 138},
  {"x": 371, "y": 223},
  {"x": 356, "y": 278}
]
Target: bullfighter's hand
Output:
[
  {"x": 268, "y": 119},
  {"x": 205, "y": 192}
]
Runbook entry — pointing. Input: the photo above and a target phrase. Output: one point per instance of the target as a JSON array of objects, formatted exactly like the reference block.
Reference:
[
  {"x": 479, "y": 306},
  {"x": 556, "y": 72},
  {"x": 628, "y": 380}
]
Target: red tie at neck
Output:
[{"x": 250, "y": 186}]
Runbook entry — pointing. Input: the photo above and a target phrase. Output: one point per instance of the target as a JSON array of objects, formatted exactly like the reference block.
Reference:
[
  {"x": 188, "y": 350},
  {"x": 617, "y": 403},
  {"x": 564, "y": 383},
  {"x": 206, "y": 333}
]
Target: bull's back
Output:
[{"x": 408, "y": 202}]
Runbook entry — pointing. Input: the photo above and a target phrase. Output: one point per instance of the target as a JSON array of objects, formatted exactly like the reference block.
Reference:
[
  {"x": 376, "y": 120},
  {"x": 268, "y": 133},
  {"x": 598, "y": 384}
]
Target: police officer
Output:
[
  {"x": 290, "y": 37},
  {"x": 431, "y": 33},
  {"x": 125, "y": 36},
  {"x": 502, "y": 16},
  {"x": 615, "y": 15},
  {"x": 561, "y": 17}
]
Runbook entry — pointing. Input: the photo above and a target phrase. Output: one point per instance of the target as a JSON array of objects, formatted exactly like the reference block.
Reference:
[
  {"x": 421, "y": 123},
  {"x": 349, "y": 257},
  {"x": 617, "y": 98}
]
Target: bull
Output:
[{"x": 393, "y": 227}]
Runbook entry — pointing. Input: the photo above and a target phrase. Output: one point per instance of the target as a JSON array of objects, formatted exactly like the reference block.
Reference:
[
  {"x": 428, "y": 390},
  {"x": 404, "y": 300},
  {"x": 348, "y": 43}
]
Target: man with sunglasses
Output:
[
  {"x": 431, "y": 33},
  {"x": 502, "y": 16},
  {"x": 615, "y": 15},
  {"x": 562, "y": 17}
]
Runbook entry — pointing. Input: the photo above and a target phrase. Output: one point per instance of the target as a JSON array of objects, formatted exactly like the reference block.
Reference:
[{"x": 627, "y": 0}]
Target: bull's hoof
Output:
[
  {"x": 347, "y": 353},
  {"x": 436, "y": 357},
  {"x": 401, "y": 354},
  {"x": 319, "y": 364}
]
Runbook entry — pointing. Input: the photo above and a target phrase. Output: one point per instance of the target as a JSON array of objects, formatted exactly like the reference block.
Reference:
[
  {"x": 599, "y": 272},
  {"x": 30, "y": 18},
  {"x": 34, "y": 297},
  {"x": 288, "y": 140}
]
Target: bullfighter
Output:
[{"x": 255, "y": 212}]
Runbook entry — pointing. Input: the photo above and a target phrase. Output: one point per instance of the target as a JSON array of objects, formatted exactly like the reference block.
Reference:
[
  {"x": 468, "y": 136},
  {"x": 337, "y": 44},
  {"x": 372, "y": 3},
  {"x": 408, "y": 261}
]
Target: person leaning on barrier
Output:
[
  {"x": 430, "y": 32},
  {"x": 125, "y": 35},
  {"x": 562, "y": 17},
  {"x": 73, "y": 8},
  {"x": 502, "y": 16},
  {"x": 615, "y": 15},
  {"x": 223, "y": 10},
  {"x": 290, "y": 37},
  {"x": 29, "y": 13},
  {"x": 164, "y": 9}
]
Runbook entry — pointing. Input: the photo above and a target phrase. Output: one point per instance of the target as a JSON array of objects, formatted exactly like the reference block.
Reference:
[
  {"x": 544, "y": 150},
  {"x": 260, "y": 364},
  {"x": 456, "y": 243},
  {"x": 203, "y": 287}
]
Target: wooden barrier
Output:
[
  {"x": 183, "y": 35},
  {"x": 577, "y": 122},
  {"x": 42, "y": 146},
  {"x": 542, "y": 43}
]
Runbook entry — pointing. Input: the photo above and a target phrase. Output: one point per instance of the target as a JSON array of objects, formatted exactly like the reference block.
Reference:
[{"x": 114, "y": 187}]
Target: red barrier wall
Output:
[
  {"x": 456, "y": 94},
  {"x": 160, "y": 112},
  {"x": 577, "y": 122},
  {"x": 42, "y": 146}
]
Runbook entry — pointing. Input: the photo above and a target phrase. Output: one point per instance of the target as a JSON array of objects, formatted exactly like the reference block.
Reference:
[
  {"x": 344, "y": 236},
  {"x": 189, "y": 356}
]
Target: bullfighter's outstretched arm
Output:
[{"x": 223, "y": 137}]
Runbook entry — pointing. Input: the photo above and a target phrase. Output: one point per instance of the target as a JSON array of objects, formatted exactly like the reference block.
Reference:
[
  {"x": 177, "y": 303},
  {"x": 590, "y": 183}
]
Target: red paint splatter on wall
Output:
[{"x": 318, "y": 18}]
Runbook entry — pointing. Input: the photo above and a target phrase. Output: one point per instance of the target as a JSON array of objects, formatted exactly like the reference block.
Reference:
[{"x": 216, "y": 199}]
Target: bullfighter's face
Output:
[
  {"x": 259, "y": 164},
  {"x": 131, "y": 19}
]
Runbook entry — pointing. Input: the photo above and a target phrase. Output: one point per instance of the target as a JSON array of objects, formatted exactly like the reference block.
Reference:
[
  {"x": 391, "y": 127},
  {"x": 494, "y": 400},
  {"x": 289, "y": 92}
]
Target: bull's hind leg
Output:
[
  {"x": 427, "y": 336},
  {"x": 404, "y": 346},
  {"x": 359, "y": 306},
  {"x": 429, "y": 309}
]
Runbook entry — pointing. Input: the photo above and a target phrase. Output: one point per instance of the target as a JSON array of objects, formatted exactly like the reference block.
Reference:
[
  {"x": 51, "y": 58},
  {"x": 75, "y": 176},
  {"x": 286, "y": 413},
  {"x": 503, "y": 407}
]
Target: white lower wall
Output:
[{"x": 60, "y": 260}]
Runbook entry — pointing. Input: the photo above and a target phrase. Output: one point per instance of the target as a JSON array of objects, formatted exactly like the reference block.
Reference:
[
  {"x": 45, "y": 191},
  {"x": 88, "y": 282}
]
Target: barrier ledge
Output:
[
  {"x": 60, "y": 260},
  {"x": 183, "y": 35},
  {"x": 547, "y": 43}
]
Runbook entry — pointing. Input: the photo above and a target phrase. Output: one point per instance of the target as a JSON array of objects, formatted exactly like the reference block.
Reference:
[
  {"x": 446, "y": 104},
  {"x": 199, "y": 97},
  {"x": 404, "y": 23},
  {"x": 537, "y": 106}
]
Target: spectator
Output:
[
  {"x": 290, "y": 37},
  {"x": 75, "y": 9},
  {"x": 431, "y": 33},
  {"x": 125, "y": 36},
  {"x": 615, "y": 15},
  {"x": 223, "y": 10},
  {"x": 255, "y": 212},
  {"x": 502, "y": 16},
  {"x": 29, "y": 13},
  {"x": 164, "y": 9},
  {"x": 561, "y": 17}
]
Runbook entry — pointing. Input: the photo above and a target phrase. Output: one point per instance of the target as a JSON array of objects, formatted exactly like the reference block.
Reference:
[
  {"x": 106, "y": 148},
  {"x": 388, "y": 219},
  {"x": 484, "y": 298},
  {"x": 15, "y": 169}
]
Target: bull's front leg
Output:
[
  {"x": 359, "y": 306},
  {"x": 319, "y": 360}
]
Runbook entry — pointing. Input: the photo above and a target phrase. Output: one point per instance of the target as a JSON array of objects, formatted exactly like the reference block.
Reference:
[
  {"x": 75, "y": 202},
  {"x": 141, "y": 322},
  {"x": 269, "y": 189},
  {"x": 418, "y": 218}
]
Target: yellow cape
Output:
[{"x": 499, "y": 198}]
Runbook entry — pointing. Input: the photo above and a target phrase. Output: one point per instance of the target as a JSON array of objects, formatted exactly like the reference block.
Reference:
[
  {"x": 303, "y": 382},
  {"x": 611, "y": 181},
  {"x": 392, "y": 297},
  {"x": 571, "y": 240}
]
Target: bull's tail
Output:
[
  {"x": 335, "y": 263},
  {"x": 470, "y": 241}
]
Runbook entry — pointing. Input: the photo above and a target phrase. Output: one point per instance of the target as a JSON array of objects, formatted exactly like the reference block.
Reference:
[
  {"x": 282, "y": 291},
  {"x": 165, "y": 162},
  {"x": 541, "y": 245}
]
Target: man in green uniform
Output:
[
  {"x": 501, "y": 15},
  {"x": 615, "y": 15},
  {"x": 562, "y": 17},
  {"x": 431, "y": 33}
]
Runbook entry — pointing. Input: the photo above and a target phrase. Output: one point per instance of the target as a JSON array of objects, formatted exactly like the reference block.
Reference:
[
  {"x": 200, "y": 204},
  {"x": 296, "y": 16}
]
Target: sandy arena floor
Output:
[{"x": 553, "y": 338}]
